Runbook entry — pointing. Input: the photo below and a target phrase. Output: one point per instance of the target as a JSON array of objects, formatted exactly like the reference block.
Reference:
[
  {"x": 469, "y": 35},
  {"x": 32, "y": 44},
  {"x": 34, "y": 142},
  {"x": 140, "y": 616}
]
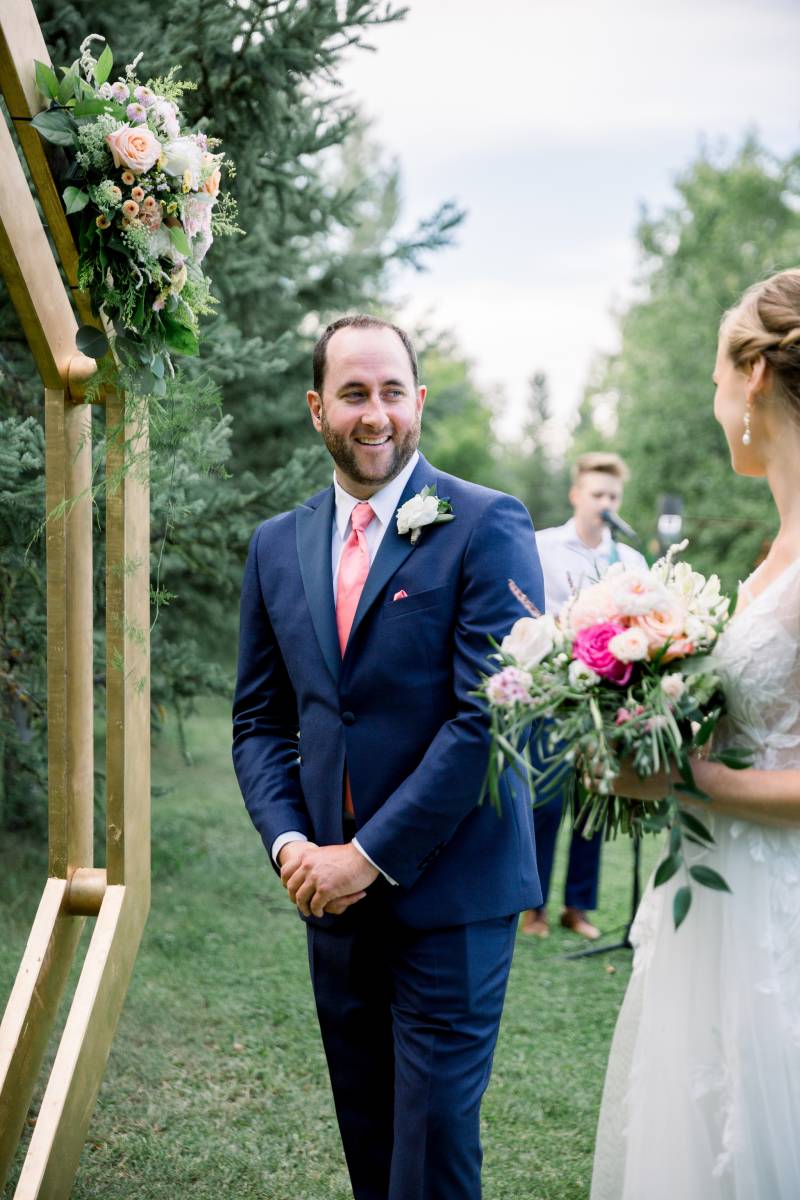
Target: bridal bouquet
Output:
[
  {"x": 145, "y": 197},
  {"x": 622, "y": 672}
]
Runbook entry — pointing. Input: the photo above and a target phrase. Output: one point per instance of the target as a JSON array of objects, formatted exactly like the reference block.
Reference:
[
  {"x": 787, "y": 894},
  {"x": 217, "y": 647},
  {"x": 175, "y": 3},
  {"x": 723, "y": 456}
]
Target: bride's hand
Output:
[{"x": 652, "y": 788}]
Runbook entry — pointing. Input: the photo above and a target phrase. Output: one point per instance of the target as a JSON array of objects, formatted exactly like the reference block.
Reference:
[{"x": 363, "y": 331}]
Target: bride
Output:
[{"x": 702, "y": 1093}]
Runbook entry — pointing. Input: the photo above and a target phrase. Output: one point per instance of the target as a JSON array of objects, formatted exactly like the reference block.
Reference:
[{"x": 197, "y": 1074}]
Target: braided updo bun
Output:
[{"x": 766, "y": 321}]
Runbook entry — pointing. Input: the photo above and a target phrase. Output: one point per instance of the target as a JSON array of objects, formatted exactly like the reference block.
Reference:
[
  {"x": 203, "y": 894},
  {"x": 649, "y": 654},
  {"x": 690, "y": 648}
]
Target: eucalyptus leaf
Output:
[
  {"x": 180, "y": 240},
  {"x": 75, "y": 200},
  {"x": 666, "y": 869},
  {"x": 709, "y": 878},
  {"x": 68, "y": 87},
  {"x": 695, "y": 826},
  {"x": 675, "y": 839},
  {"x": 681, "y": 905},
  {"x": 90, "y": 108},
  {"x": 706, "y": 729},
  {"x": 91, "y": 342},
  {"x": 56, "y": 126},
  {"x": 178, "y": 337},
  {"x": 46, "y": 80},
  {"x": 103, "y": 67},
  {"x": 735, "y": 758}
]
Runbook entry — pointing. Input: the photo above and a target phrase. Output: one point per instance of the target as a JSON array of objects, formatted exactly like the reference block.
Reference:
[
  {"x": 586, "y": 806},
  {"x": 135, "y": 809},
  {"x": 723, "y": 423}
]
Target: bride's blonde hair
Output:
[{"x": 766, "y": 321}]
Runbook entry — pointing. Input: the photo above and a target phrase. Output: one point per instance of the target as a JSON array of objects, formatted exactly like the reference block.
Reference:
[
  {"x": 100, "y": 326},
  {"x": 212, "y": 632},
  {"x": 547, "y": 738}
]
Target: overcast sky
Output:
[{"x": 551, "y": 122}]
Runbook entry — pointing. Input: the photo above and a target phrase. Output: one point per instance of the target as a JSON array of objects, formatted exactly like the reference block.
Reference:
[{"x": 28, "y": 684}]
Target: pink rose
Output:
[
  {"x": 591, "y": 647},
  {"x": 138, "y": 149}
]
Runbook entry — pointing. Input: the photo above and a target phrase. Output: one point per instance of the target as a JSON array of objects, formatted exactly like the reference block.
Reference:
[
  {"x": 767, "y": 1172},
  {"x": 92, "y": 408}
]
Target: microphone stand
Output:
[{"x": 636, "y": 895}]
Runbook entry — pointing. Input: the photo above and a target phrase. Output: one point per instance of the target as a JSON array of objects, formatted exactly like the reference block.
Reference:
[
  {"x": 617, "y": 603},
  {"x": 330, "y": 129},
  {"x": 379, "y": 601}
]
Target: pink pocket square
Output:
[{"x": 401, "y": 595}]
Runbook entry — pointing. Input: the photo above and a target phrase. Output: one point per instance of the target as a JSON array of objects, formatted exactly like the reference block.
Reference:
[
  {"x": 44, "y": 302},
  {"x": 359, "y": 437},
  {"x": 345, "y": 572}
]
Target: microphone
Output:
[{"x": 619, "y": 526}]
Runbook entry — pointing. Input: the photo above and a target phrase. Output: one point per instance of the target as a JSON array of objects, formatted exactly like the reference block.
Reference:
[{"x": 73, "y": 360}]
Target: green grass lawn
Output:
[{"x": 216, "y": 1086}]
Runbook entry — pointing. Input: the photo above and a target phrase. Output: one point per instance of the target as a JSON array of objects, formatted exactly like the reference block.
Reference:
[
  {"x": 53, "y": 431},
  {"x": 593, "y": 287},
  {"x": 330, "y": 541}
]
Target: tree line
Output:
[{"x": 320, "y": 204}]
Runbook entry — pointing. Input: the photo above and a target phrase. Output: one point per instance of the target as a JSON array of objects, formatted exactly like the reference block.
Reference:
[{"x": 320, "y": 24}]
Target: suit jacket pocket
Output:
[{"x": 415, "y": 602}]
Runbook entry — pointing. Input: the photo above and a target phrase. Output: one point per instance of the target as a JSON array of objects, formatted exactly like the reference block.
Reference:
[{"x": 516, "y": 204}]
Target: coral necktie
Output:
[{"x": 353, "y": 571}]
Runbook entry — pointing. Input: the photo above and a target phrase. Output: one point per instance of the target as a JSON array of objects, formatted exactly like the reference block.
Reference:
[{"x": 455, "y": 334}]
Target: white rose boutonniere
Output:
[{"x": 423, "y": 509}]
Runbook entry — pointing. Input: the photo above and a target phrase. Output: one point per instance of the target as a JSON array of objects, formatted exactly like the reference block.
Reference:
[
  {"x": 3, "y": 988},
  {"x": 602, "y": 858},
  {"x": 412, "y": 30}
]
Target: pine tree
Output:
[
  {"x": 320, "y": 209},
  {"x": 735, "y": 221}
]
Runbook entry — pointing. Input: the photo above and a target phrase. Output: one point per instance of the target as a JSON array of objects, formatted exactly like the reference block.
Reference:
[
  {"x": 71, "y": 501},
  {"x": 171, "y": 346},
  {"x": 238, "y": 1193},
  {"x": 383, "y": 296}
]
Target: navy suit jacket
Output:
[{"x": 397, "y": 707}]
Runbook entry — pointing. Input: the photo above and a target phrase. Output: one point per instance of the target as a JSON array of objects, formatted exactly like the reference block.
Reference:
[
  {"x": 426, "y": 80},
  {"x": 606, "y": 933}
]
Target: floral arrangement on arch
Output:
[
  {"x": 624, "y": 671},
  {"x": 145, "y": 197}
]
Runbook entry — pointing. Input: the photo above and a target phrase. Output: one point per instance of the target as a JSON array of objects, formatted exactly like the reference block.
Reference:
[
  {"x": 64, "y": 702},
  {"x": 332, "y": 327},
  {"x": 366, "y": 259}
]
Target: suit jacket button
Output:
[{"x": 348, "y": 718}]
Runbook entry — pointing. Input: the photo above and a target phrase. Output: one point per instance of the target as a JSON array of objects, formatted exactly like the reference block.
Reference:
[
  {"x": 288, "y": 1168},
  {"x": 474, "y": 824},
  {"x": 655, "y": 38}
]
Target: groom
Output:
[{"x": 370, "y": 642}]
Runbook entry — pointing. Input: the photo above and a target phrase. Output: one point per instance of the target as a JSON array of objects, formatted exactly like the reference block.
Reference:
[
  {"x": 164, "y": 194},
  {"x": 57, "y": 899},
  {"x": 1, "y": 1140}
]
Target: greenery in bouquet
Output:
[
  {"x": 625, "y": 671},
  {"x": 145, "y": 198}
]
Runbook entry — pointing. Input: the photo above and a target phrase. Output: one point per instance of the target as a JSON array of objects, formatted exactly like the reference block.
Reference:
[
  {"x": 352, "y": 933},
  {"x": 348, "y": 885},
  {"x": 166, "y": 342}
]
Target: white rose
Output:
[
  {"x": 630, "y": 646},
  {"x": 635, "y": 593},
  {"x": 181, "y": 155},
  {"x": 580, "y": 675},
  {"x": 416, "y": 512},
  {"x": 531, "y": 639},
  {"x": 161, "y": 245},
  {"x": 673, "y": 686},
  {"x": 167, "y": 117}
]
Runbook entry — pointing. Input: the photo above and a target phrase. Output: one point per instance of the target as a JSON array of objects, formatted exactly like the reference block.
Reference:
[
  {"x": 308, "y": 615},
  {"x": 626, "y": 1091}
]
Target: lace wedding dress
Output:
[{"x": 702, "y": 1094}]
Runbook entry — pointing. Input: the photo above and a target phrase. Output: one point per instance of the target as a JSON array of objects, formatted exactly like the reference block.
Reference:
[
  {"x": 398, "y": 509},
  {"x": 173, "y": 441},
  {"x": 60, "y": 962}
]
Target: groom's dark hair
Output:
[{"x": 358, "y": 321}]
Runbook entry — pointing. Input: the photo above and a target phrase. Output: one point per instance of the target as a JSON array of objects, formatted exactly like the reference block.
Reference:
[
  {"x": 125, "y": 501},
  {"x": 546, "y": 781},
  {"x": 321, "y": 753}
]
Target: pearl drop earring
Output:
[{"x": 746, "y": 438}]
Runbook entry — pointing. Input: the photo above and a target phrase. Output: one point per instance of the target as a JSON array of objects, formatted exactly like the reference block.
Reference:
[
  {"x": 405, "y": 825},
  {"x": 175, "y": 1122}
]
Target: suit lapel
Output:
[
  {"x": 394, "y": 549},
  {"x": 314, "y": 528}
]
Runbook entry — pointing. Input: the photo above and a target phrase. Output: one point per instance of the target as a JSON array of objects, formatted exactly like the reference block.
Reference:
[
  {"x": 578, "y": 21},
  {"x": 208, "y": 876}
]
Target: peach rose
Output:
[
  {"x": 137, "y": 149},
  {"x": 680, "y": 648},
  {"x": 211, "y": 183},
  {"x": 663, "y": 624}
]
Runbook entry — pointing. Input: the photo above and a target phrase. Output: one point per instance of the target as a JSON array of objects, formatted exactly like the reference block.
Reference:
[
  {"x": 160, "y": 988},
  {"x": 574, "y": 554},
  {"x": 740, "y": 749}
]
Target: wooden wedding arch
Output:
[{"x": 116, "y": 897}]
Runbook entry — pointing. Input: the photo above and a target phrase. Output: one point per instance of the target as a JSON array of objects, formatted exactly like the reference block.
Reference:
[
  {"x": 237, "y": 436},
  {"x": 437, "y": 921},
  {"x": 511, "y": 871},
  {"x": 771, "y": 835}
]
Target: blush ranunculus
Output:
[
  {"x": 591, "y": 647},
  {"x": 137, "y": 149}
]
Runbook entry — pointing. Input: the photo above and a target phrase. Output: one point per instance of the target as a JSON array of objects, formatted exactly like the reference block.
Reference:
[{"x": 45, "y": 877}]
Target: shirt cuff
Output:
[
  {"x": 361, "y": 850},
  {"x": 283, "y": 839}
]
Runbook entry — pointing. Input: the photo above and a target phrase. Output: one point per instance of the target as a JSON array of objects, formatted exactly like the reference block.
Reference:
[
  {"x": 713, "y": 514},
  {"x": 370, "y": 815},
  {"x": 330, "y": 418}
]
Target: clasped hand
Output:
[{"x": 324, "y": 879}]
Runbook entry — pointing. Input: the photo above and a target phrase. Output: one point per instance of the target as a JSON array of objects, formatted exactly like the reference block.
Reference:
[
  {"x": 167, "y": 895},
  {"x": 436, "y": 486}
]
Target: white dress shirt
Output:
[
  {"x": 384, "y": 504},
  {"x": 569, "y": 564}
]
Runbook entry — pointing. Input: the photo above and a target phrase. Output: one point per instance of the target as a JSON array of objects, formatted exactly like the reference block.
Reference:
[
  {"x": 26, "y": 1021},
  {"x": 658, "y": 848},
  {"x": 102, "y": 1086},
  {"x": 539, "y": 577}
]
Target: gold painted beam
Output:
[
  {"x": 21, "y": 45},
  {"x": 31, "y": 1011}
]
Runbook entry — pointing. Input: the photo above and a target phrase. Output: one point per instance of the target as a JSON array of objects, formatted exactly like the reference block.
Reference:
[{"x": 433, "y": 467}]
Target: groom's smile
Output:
[{"x": 369, "y": 407}]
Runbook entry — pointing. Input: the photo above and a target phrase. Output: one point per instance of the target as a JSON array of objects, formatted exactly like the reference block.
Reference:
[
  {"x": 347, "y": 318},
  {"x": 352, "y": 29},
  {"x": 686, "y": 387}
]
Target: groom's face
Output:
[{"x": 369, "y": 412}]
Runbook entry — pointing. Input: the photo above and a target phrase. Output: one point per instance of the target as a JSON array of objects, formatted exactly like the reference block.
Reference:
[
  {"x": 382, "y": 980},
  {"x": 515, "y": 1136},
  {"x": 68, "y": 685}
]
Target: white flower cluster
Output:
[
  {"x": 416, "y": 512},
  {"x": 700, "y": 597}
]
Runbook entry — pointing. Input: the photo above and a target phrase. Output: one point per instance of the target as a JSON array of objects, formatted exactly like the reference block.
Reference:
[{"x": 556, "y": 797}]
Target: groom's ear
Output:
[
  {"x": 422, "y": 392},
  {"x": 314, "y": 401}
]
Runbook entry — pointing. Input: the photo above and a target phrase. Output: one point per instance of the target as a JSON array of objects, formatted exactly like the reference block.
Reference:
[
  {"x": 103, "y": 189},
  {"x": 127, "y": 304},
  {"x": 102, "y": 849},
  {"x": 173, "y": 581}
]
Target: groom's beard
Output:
[{"x": 344, "y": 454}]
